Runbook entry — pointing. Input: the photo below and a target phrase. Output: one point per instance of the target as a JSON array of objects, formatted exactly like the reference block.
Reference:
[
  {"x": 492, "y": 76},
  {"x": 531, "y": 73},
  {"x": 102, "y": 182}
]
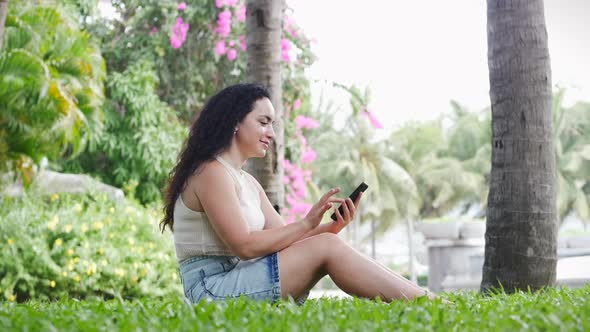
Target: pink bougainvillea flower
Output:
[
  {"x": 175, "y": 42},
  {"x": 297, "y": 104},
  {"x": 181, "y": 6},
  {"x": 220, "y": 47},
  {"x": 242, "y": 39},
  {"x": 285, "y": 44},
  {"x": 232, "y": 54},
  {"x": 306, "y": 123},
  {"x": 241, "y": 14},
  {"x": 179, "y": 32},
  {"x": 219, "y": 3},
  {"x": 285, "y": 56},
  {"x": 308, "y": 156},
  {"x": 224, "y": 23},
  {"x": 376, "y": 124},
  {"x": 231, "y": 3}
]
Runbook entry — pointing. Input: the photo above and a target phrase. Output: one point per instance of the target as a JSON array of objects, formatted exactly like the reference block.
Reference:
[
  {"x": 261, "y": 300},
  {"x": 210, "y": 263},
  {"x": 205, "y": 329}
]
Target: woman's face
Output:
[{"x": 256, "y": 131}]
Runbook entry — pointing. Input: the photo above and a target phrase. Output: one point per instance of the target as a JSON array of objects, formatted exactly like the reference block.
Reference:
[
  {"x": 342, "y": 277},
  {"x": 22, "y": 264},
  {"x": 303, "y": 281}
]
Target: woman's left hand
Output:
[{"x": 349, "y": 210}]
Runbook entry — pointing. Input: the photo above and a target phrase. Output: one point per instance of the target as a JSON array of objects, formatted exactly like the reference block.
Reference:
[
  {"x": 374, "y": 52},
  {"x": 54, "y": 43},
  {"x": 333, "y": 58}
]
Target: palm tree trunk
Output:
[
  {"x": 3, "y": 14},
  {"x": 263, "y": 40},
  {"x": 521, "y": 235}
]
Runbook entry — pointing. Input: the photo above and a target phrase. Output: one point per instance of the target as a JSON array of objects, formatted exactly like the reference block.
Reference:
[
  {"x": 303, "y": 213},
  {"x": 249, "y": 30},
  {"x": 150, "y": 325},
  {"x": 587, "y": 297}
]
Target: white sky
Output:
[{"x": 418, "y": 55}]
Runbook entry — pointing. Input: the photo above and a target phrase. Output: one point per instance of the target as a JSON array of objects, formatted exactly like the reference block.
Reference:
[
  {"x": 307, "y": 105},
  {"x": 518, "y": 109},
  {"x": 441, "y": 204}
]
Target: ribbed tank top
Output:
[{"x": 193, "y": 233}]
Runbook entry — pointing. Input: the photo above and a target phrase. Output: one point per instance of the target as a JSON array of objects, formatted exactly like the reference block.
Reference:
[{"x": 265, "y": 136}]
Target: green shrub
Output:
[
  {"x": 141, "y": 139},
  {"x": 83, "y": 246}
]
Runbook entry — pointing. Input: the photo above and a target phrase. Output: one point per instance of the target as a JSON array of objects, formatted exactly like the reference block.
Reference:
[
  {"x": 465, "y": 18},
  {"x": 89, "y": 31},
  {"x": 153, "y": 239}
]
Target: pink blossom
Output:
[
  {"x": 153, "y": 31},
  {"x": 308, "y": 156},
  {"x": 285, "y": 56},
  {"x": 297, "y": 104},
  {"x": 242, "y": 39},
  {"x": 286, "y": 180},
  {"x": 224, "y": 23},
  {"x": 241, "y": 14},
  {"x": 231, "y": 3},
  {"x": 232, "y": 54},
  {"x": 179, "y": 32},
  {"x": 181, "y": 6},
  {"x": 285, "y": 44},
  {"x": 220, "y": 47},
  {"x": 219, "y": 3},
  {"x": 376, "y": 124},
  {"x": 175, "y": 42},
  {"x": 285, "y": 47},
  {"x": 306, "y": 123}
]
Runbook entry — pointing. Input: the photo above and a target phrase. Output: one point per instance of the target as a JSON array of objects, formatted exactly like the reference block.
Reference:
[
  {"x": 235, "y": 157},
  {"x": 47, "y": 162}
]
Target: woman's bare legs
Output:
[{"x": 304, "y": 263}]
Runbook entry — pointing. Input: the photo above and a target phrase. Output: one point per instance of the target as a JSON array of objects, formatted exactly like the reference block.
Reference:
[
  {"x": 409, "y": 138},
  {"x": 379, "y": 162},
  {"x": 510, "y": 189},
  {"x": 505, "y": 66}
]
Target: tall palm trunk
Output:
[
  {"x": 520, "y": 250},
  {"x": 263, "y": 26},
  {"x": 3, "y": 13}
]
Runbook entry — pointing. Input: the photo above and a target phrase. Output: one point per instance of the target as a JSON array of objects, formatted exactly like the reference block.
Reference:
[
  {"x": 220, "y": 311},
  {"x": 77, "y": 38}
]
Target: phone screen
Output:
[{"x": 361, "y": 188}]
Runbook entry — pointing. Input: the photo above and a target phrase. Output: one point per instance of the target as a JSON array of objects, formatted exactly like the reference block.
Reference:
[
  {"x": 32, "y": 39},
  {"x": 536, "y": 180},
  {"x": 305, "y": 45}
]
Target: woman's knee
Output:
[{"x": 329, "y": 243}]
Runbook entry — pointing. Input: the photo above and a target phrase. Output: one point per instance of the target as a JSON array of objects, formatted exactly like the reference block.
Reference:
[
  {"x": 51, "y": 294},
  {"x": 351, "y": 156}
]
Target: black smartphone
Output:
[{"x": 361, "y": 188}]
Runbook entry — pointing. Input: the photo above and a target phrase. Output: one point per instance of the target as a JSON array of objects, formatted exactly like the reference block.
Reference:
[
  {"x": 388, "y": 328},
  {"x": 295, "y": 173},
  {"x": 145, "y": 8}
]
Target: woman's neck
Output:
[{"x": 233, "y": 158}]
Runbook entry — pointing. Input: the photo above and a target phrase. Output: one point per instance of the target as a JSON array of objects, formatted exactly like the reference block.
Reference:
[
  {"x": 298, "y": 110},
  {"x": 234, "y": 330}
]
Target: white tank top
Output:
[{"x": 193, "y": 233}]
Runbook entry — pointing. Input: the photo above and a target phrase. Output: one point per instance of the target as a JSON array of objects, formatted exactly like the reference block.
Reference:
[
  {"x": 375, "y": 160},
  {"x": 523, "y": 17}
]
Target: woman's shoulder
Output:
[{"x": 209, "y": 172}]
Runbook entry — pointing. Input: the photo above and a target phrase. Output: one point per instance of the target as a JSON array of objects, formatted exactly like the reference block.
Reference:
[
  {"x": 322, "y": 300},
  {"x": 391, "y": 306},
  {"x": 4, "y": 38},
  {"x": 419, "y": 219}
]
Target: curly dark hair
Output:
[{"x": 210, "y": 134}]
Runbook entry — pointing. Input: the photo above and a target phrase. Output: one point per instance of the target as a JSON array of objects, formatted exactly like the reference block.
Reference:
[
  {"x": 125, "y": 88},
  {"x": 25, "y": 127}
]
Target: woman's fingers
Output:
[
  {"x": 358, "y": 199},
  {"x": 329, "y": 194}
]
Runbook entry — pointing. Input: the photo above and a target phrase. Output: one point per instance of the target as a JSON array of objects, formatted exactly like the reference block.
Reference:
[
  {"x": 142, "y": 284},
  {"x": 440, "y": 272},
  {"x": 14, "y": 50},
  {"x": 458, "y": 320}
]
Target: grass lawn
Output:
[{"x": 552, "y": 310}]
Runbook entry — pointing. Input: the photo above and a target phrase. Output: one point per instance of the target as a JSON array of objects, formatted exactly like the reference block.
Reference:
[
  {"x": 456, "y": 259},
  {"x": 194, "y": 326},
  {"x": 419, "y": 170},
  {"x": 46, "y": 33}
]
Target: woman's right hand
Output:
[{"x": 315, "y": 215}]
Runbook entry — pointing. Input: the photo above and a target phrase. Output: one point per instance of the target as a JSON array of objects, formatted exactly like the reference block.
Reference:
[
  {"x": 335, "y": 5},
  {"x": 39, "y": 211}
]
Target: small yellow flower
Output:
[
  {"x": 133, "y": 228},
  {"x": 143, "y": 272},
  {"x": 68, "y": 228},
  {"x": 84, "y": 228},
  {"x": 58, "y": 242},
  {"x": 174, "y": 276},
  {"x": 135, "y": 265},
  {"x": 76, "y": 277},
  {"x": 89, "y": 271},
  {"x": 97, "y": 225},
  {"x": 70, "y": 252},
  {"x": 53, "y": 223},
  {"x": 112, "y": 210},
  {"x": 131, "y": 241},
  {"x": 109, "y": 220},
  {"x": 140, "y": 249},
  {"x": 100, "y": 251},
  {"x": 111, "y": 236},
  {"x": 52, "y": 283},
  {"x": 134, "y": 278},
  {"x": 64, "y": 273},
  {"x": 77, "y": 207},
  {"x": 10, "y": 241},
  {"x": 54, "y": 197},
  {"x": 104, "y": 262},
  {"x": 12, "y": 298},
  {"x": 151, "y": 245},
  {"x": 120, "y": 272}
]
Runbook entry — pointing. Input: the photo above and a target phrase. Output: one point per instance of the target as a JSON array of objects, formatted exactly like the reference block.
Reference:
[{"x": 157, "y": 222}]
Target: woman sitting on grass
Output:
[{"x": 229, "y": 239}]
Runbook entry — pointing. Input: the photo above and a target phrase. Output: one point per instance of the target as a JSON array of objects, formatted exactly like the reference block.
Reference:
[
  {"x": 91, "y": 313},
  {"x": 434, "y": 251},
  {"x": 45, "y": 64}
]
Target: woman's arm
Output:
[
  {"x": 215, "y": 189},
  {"x": 274, "y": 220}
]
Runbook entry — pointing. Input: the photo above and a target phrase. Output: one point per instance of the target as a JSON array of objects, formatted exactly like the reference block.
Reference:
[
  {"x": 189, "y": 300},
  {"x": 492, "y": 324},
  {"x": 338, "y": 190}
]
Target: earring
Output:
[{"x": 236, "y": 131}]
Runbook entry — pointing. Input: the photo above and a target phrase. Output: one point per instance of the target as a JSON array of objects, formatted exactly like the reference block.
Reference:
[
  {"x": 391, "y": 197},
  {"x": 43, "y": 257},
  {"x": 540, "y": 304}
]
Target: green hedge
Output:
[{"x": 83, "y": 246}]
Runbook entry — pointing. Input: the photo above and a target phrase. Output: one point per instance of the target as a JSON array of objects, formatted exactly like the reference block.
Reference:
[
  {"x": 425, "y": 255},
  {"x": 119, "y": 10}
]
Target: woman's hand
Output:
[
  {"x": 315, "y": 215},
  {"x": 349, "y": 209}
]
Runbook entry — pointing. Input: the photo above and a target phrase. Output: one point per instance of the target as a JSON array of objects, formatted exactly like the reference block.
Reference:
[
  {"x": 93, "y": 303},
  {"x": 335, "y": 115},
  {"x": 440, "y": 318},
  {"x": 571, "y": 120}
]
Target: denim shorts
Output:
[{"x": 226, "y": 277}]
